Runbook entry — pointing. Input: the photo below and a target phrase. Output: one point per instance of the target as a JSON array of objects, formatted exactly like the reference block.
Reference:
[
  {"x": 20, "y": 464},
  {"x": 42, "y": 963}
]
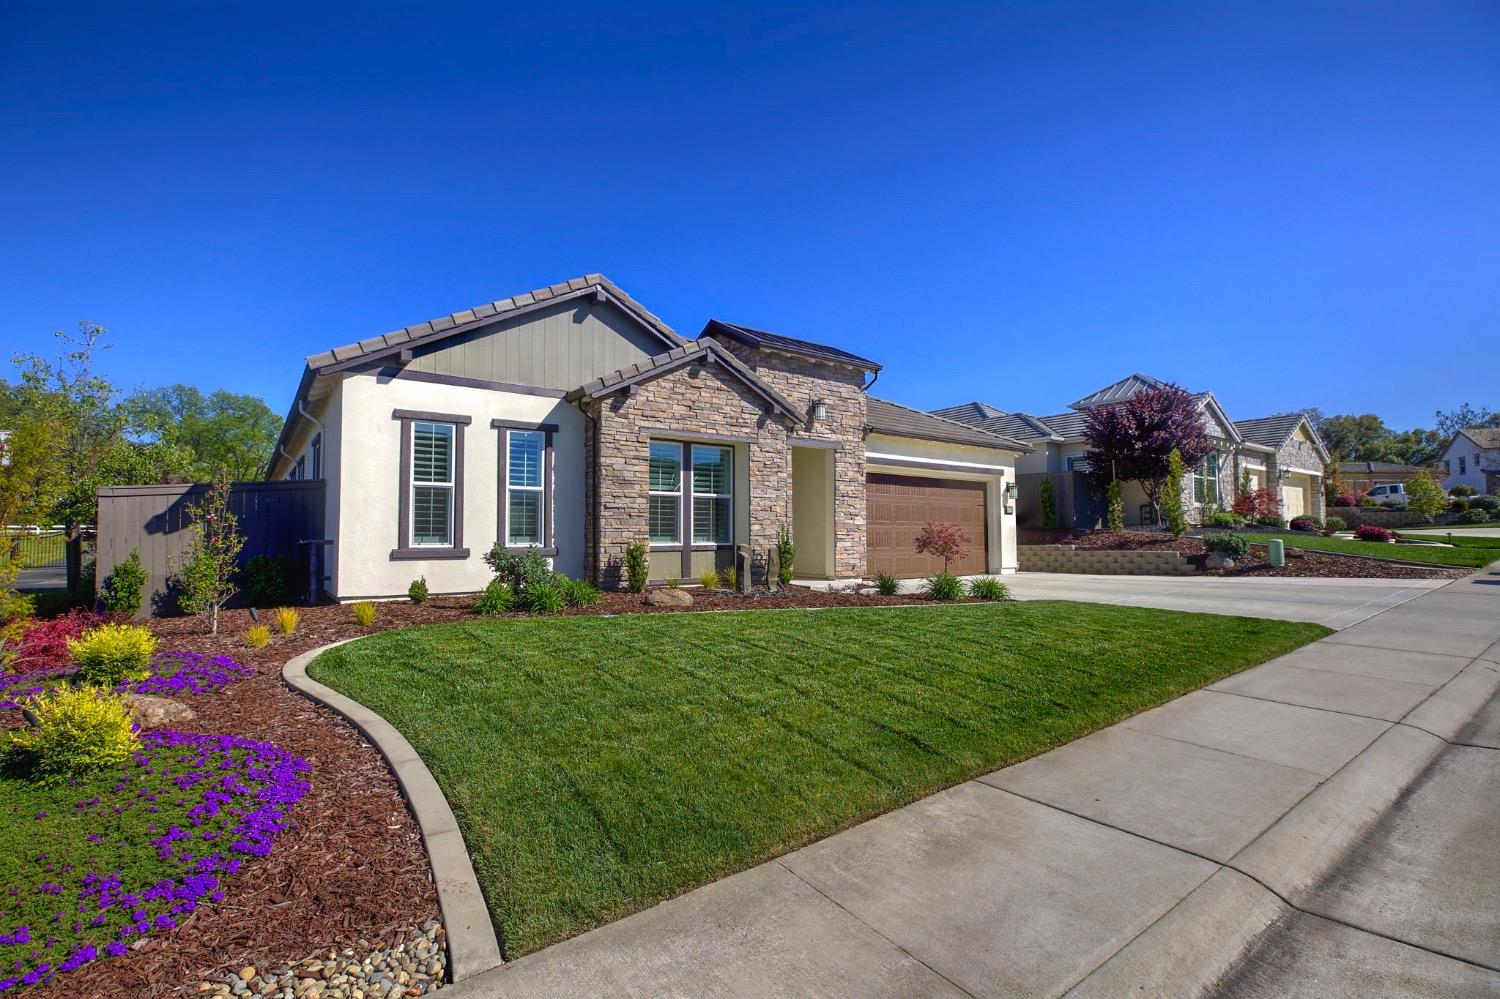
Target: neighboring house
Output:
[
  {"x": 1280, "y": 450},
  {"x": 1472, "y": 458},
  {"x": 1362, "y": 476},
  {"x": 572, "y": 419}
]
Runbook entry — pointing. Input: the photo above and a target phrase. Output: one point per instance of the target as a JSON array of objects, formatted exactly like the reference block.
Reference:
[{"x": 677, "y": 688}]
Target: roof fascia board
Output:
[{"x": 711, "y": 353}]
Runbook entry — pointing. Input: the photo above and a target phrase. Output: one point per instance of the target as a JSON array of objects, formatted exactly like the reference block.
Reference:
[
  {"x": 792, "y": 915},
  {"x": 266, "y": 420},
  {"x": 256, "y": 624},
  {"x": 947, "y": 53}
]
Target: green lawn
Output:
[
  {"x": 1462, "y": 556},
  {"x": 599, "y": 765}
]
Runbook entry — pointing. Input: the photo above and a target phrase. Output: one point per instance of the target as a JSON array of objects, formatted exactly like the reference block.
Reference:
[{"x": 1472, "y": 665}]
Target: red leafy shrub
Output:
[
  {"x": 44, "y": 644},
  {"x": 1257, "y": 503},
  {"x": 1307, "y": 524},
  {"x": 1369, "y": 532},
  {"x": 1345, "y": 499}
]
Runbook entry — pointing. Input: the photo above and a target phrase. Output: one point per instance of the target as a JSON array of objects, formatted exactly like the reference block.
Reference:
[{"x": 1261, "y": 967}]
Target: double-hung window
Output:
[
  {"x": 712, "y": 491},
  {"x": 431, "y": 484},
  {"x": 525, "y": 450},
  {"x": 664, "y": 510},
  {"x": 1208, "y": 479}
]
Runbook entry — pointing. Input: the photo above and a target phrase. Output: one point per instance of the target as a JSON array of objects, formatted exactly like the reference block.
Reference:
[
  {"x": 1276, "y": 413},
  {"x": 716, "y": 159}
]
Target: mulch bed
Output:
[
  {"x": 353, "y": 871},
  {"x": 1299, "y": 562}
]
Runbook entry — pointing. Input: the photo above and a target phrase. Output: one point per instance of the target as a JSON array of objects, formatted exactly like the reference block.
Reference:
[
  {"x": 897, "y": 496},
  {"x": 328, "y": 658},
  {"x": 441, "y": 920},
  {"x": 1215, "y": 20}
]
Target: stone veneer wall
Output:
[
  {"x": 804, "y": 381},
  {"x": 1301, "y": 454},
  {"x": 1096, "y": 562},
  {"x": 698, "y": 399}
]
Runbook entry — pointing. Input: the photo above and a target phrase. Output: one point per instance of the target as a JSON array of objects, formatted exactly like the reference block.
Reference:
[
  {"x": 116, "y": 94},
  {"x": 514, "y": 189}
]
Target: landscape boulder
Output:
[
  {"x": 1218, "y": 560},
  {"x": 669, "y": 596},
  {"x": 155, "y": 712}
]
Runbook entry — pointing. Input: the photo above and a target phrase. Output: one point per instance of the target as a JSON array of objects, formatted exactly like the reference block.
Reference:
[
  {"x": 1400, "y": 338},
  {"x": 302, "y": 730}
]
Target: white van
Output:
[{"x": 1391, "y": 492}]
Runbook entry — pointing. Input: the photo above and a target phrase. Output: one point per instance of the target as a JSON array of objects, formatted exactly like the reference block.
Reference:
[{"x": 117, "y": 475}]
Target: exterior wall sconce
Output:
[
  {"x": 1008, "y": 493},
  {"x": 819, "y": 411}
]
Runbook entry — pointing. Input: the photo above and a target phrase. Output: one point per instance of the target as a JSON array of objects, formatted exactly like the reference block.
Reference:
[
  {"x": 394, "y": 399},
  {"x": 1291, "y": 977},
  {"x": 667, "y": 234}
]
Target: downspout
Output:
[{"x": 873, "y": 379}]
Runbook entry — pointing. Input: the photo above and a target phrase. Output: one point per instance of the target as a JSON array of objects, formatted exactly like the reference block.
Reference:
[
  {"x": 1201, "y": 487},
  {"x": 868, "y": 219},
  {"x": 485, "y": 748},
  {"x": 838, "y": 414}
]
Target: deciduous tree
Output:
[
  {"x": 944, "y": 541},
  {"x": 1136, "y": 438}
]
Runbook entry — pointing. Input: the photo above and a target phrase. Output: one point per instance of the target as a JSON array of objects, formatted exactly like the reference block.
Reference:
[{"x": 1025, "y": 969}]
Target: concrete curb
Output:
[
  {"x": 1203, "y": 937},
  {"x": 473, "y": 947}
]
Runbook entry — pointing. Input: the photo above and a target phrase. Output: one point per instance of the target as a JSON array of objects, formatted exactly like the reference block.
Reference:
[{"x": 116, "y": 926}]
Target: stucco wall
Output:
[
  {"x": 1474, "y": 468},
  {"x": 994, "y": 468},
  {"x": 368, "y": 496}
]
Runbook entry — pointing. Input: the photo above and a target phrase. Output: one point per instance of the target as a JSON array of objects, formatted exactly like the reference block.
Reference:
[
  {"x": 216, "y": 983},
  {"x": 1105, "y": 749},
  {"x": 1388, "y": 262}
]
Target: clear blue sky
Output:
[{"x": 1290, "y": 204}]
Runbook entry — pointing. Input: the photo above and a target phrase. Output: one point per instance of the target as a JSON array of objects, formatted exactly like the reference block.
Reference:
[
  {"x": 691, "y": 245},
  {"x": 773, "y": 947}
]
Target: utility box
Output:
[{"x": 1276, "y": 552}]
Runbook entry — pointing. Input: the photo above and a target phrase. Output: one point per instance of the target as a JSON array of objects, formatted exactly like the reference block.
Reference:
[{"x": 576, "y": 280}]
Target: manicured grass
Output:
[
  {"x": 599, "y": 765},
  {"x": 1461, "y": 556},
  {"x": 1458, "y": 540}
]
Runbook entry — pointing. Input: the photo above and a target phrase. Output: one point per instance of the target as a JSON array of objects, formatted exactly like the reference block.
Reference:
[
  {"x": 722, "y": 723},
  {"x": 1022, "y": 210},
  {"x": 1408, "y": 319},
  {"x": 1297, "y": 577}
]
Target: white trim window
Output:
[
  {"x": 1206, "y": 479},
  {"x": 431, "y": 484},
  {"x": 713, "y": 490},
  {"x": 524, "y": 513},
  {"x": 664, "y": 503}
]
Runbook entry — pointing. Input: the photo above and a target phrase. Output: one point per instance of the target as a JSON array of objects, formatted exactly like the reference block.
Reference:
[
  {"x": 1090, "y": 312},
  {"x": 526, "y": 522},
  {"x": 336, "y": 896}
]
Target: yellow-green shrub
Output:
[
  {"x": 286, "y": 619},
  {"x": 78, "y": 730},
  {"x": 110, "y": 654},
  {"x": 258, "y": 635},
  {"x": 364, "y": 613}
]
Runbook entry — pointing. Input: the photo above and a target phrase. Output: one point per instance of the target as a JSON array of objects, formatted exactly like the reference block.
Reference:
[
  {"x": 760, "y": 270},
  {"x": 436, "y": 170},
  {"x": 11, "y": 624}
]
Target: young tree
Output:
[
  {"x": 1135, "y": 438},
  {"x": 1115, "y": 516},
  {"x": 1425, "y": 496},
  {"x": 1171, "y": 499},
  {"x": 205, "y": 575},
  {"x": 944, "y": 541},
  {"x": 1049, "y": 504}
]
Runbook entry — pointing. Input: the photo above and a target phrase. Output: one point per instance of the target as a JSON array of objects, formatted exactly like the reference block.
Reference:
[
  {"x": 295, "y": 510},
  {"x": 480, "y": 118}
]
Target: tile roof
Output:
[
  {"x": 1126, "y": 388},
  {"x": 1356, "y": 467},
  {"x": 1485, "y": 437},
  {"x": 972, "y": 413},
  {"x": 1270, "y": 431},
  {"x": 458, "y": 322},
  {"x": 1069, "y": 426},
  {"x": 700, "y": 350},
  {"x": 885, "y": 417},
  {"x": 791, "y": 345}
]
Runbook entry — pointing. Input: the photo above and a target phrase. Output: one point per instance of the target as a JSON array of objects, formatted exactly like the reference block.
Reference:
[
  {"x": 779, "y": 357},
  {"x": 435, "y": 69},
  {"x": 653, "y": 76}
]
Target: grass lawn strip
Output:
[
  {"x": 1467, "y": 556},
  {"x": 598, "y": 766}
]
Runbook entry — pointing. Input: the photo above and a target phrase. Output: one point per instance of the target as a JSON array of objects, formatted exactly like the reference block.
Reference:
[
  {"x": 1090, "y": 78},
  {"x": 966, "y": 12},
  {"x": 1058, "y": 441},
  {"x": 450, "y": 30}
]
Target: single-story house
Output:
[
  {"x": 1365, "y": 475},
  {"x": 574, "y": 420},
  {"x": 1283, "y": 450},
  {"x": 1472, "y": 458}
]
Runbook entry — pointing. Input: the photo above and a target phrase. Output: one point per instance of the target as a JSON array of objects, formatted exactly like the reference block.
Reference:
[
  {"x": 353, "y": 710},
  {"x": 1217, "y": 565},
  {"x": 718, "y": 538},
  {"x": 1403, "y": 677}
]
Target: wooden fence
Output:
[{"x": 280, "y": 519}]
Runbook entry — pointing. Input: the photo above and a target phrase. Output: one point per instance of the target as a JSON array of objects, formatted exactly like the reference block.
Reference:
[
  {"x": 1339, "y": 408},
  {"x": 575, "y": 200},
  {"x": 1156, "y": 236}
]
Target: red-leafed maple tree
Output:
[
  {"x": 1134, "y": 439},
  {"x": 944, "y": 541}
]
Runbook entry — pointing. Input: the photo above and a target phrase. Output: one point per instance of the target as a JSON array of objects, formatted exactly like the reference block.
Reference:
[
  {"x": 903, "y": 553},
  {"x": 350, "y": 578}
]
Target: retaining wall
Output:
[{"x": 1069, "y": 558}]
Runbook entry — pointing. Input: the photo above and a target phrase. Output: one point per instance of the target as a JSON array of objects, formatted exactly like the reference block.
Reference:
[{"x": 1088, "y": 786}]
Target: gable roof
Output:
[
  {"x": 786, "y": 344},
  {"x": 886, "y": 417},
  {"x": 1485, "y": 437},
  {"x": 970, "y": 412},
  {"x": 594, "y": 286},
  {"x": 1068, "y": 426},
  {"x": 1126, "y": 388},
  {"x": 700, "y": 351},
  {"x": 1018, "y": 426},
  {"x": 1274, "y": 431}
]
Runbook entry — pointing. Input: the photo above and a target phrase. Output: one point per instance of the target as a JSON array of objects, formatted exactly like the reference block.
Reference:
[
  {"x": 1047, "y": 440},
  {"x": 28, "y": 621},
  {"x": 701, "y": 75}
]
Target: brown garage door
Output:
[{"x": 897, "y": 508}]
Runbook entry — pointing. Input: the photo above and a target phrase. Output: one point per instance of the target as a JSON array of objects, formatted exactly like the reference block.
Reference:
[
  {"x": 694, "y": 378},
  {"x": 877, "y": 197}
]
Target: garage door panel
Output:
[{"x": 899, "y": 506}]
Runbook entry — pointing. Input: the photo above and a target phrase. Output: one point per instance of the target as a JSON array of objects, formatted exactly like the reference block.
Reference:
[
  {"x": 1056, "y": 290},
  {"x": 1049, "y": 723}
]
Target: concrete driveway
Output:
[
  {"x": 1335, "y": 603},
  {"x": 1246, "y": 836}
]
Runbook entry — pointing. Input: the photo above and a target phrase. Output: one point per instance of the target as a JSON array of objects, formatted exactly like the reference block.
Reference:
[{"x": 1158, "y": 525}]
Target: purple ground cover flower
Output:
[
  {"x": 171, "y": 673},
  {"x": 123, "y": 872}
]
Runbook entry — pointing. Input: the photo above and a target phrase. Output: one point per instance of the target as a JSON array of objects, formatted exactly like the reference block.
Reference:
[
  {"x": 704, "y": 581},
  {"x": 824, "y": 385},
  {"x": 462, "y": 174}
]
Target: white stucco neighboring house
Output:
[
  {"x": 1472, "y": 458},
  {"x": 1281, "y": 452}
]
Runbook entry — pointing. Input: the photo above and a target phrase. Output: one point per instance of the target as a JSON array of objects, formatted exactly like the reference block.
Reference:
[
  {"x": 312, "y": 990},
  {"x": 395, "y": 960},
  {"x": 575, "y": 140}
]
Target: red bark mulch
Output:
[
  {"x": 353, "y": 871},
  {"x": 1299, "y": 562}
]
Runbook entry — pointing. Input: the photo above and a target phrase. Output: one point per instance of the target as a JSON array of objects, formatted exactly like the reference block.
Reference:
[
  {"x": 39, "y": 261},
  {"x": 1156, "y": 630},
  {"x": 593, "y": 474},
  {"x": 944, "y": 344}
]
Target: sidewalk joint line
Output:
[{"x": 838, "y": 905}]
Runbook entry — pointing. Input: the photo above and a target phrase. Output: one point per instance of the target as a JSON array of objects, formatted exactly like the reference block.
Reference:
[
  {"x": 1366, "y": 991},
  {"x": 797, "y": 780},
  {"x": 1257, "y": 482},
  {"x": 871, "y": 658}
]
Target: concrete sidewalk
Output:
[{"x": 1150, "y": 857}]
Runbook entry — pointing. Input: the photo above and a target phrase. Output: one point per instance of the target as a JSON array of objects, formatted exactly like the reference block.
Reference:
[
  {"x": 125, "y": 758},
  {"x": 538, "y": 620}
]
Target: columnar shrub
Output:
[
  {"x": 1114, "y": 517},
  {"x": 1049, "y": 506},
  {"x": 417, "y": 591},
  {"x": 110, "y": 654},
  {"x": 77, "y": 730},
  {"x": 637, "y": 566},
  {"x": 1370, "y": 532},
  {"x": 786, "y": 554},
  {"x": 121, "y": 593},
  {"x": 1172, "y": 513}
]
